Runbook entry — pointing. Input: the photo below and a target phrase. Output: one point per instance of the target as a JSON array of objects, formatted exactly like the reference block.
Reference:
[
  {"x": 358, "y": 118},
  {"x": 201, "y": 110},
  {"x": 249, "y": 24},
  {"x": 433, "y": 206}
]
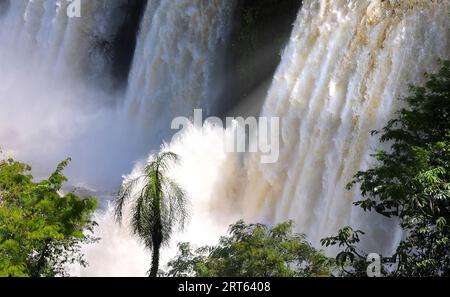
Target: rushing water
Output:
[
  {"x": 343, "y": 68},
  {"x": 50, "y": 109},
  {"x": 54, "y": 93},
  {"x": 346, "y": 64},
  {"x": 178, "y": 62}
]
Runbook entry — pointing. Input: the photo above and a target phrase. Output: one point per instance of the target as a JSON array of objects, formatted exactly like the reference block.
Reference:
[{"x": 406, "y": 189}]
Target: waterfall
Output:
[
  {"x": 177, "y": 67},
  {"x": 344, "y": 66},
  {"x": 56, "y": 68},
  {"x": 50, "y": 65},
  {"x": 206, "y": 172},
  {"x": 54, "y": 105},
  {"x": 178, "y": 62},
  {"x": 341, "y": 73},
  {"x": 43, "y": 36}
]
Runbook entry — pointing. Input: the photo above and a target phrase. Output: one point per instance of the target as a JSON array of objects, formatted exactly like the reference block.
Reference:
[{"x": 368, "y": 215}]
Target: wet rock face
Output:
[
  {"x": 261, "y": 29},
  {"x": 124, "y": 41},
  {"x": 4, "y": 6}
]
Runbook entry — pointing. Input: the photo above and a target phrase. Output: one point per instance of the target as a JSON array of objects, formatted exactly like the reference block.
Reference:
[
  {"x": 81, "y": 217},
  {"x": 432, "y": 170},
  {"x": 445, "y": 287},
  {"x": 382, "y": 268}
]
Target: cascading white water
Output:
[
  {"x": 51, "y": 107},
  {"x": 53, "y": 64},
  {"x": 340, "y": 75},
  {"x": 346, "y": 62},
  {"x": 178, "y": 61},
  {"x": 40, "y": 35},
  {"x": 177, "y": 67},
  {"x": 207, "y": 173},
  {"x": 47, "y": 108}
]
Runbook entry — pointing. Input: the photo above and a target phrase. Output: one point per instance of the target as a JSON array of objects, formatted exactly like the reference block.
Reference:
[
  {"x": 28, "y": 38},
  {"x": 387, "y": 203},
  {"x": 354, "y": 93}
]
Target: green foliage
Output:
[
  {"x": 157, "y": 207},
  {"x": 351, "y": 260},
  {"x": 411, "y": 181},
  {"x": 252, "y": 250},
  {"x": 40, "y": 230}
]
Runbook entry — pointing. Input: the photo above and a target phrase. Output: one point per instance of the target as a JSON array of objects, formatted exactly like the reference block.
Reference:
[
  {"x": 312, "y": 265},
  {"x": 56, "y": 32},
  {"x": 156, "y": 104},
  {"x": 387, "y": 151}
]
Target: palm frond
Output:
[
  {"x": 160, "y": 205},
  {"x": 178, "y": 202},
  {"x": 137, "y": 215},
  {"x": 124, "y": 194}
]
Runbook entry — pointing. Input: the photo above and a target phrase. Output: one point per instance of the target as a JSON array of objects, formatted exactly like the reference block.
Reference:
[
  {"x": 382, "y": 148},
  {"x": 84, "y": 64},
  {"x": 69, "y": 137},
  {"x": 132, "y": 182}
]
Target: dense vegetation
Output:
[
  {"x": 41, "y": 230},
  {"x": 410, "y": 182},
  {"x": 252, "y": 250}
]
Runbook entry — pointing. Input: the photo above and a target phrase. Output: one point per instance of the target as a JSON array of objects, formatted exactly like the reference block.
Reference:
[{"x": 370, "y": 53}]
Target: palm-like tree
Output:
[{"x": 157, "y": 209}]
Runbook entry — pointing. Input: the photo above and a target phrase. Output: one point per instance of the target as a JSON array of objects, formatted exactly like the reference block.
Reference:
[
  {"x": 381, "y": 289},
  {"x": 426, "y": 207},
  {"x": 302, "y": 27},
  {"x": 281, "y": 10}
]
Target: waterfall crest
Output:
[
  {"x": 45, "y": 38},
  {"x": 49, "y": 63}
]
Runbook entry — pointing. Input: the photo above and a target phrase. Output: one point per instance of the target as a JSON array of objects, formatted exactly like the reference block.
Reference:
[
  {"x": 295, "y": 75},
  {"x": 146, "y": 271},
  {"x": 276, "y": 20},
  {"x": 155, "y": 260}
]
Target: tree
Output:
[
  {"x": 157, "y": 208},
  {"x": 41, "y": 231},
  {"x": 351, "y": 260},
  {"x": 252, "y": 250},
  {"x": 411, "y": 181}
]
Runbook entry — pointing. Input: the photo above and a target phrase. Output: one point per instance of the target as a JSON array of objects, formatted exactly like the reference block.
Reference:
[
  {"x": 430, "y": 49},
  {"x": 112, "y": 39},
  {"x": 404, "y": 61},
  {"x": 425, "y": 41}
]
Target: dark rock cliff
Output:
[
  {"x": 261, "y": 30},
  {"x": 124, "y": 41}
]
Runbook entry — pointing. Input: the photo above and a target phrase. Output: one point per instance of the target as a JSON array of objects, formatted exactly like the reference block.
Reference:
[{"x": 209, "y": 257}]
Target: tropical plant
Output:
[
  {"x": 41, "y": 230},
  {"x": 411, "y": 181},
  {"x": 158, "y": 205},
  {"x": 252, "y": 250}
]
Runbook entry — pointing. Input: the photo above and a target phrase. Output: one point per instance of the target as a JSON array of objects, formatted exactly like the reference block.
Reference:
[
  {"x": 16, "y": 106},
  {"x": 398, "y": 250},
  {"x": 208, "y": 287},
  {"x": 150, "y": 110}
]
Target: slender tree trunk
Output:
[
  {"x": 157, "y": 228},
  {"x": 155, "y": 260},
  {"x": 42, "y": 262}
]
